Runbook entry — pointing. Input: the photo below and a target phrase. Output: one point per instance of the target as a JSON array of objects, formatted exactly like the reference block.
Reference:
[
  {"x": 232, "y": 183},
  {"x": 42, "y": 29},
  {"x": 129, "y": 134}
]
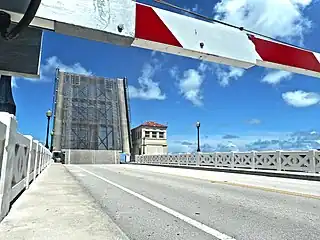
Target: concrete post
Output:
[
  {"x": 278, "y": 157},
  {"x": 312, "y": 155},
  {"x": 43, "y": 158},
  {"x": 69, "y": 156},
  {"x": 115, "y": 157},
  {"x": 29, "y": 160},
  {"x": 40, "y": 158},
  {"x": 253, "y": 160},
  {"x": 215, "y": 159},
  {"x": 36, "y": 160},
  {"x": 47, "y": 159},
  {"x": 197, "y": 159},
  {"x": 7, "y": 162},
  {"x": 232, "y": 160}
]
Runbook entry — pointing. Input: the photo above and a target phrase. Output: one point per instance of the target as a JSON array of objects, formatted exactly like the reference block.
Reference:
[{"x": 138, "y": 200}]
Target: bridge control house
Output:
[{"x": 149, "y": 138}]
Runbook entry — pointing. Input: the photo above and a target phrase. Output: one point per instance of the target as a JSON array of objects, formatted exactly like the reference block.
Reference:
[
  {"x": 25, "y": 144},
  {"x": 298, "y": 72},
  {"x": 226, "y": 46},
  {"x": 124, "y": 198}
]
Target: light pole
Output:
[
  {"x": 198, "y": 132},
  {"x": 51, "y": 142},
  {"x": 143, "y": 145},
  {"x": 48, "y": 114}
]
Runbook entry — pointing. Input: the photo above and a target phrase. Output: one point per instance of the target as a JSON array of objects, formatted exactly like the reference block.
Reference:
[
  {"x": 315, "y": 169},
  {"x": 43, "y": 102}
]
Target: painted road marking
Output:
[
  {"x": 235, "y": 184},
  {"x": 174, "y": 213},
  {"x": 296, "y": 194},
  {"x": 80, "y": 175}
]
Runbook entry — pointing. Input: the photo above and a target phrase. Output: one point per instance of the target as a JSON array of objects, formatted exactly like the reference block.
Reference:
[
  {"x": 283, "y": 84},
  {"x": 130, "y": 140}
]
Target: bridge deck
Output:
[
  {"x": 148, "y": 202},
  {"x": 57, "y": 207}
]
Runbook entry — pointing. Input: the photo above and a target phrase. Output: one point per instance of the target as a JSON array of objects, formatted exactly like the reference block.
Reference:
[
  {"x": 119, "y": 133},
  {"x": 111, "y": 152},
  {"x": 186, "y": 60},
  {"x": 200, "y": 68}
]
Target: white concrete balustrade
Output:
[
  {"x": 302, "y": 161},
  {"x": 22, "y": 159}
]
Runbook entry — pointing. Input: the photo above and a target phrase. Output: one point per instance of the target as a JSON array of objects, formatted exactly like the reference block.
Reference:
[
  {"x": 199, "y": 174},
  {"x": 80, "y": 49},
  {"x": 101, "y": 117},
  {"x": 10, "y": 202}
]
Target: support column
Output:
[
  {"x": 58, "y": 115},
  {"x": 124, "y": 117},
  {"x": 7, "y": 103}
]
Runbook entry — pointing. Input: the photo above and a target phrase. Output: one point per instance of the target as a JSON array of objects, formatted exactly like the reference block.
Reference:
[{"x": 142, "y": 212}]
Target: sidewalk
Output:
[{"x": 57, "y": 207}]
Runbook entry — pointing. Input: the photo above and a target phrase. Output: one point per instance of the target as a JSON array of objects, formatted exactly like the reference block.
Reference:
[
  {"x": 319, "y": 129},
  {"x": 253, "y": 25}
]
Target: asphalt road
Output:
[{"x": 148, "y": 205}]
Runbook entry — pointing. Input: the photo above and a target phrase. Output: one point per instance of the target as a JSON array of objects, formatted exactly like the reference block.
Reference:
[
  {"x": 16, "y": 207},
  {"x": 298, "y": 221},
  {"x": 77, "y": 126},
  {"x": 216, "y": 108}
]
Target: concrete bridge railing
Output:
[
  {"x": 22, "y": 159},
  {"x": 301, "y": 161}
]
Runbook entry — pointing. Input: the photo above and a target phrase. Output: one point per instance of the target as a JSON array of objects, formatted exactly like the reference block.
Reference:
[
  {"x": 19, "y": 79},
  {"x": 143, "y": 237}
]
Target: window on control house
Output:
[
  {"x": 161, "y": 134},
  {"x": 147, "y": 134}
]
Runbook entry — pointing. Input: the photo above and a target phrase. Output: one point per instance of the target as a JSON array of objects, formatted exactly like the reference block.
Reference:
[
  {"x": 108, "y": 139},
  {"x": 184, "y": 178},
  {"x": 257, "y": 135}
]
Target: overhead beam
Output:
[
  {"x": 129, "y": 23},
  {"x": 110, "y": 21}
]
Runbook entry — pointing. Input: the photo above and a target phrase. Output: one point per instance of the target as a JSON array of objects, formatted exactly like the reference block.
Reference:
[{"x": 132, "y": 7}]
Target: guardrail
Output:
[
  {"x": 298, "y": 161},
  {"x": 22, "y": 159}
]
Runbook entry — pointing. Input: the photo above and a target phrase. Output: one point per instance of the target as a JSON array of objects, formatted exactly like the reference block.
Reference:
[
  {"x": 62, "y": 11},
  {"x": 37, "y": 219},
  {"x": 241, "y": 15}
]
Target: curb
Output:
[{"x": 300, "y": 176}]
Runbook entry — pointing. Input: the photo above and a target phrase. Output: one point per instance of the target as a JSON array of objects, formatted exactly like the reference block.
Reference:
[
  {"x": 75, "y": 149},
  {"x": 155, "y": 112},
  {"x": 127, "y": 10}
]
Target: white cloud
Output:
[
  {"x": 259, "y": 141},
  {"x": 203, "y": 67},
  {"x": 283, "y": 19},
  {"x": 174, "y": 72},
  {"x": 275, "y": 18},
  {"x": 254, "y": 121},
  {"x": 301, "y": 99},
  {"x": 190, "y": 83},
  {"x": 275, "y": 77},
  {"x": 14, "y": 83},
  {"x": 215, "y": 142},
  {"x": 226, "y": 74},
  {"x": 153, "y": 53},
  {"x": 52, "y": 63},
  {"x": 47, "y": 70},
  {"x": 148, "y": 89},
  {"x": 195, "y": 8}
]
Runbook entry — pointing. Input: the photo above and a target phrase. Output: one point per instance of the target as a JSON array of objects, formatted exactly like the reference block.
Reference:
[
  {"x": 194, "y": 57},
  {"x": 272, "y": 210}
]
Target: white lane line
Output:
[
  {"x": 80, "y": 175},
  {"x": 188, "y": 220}
]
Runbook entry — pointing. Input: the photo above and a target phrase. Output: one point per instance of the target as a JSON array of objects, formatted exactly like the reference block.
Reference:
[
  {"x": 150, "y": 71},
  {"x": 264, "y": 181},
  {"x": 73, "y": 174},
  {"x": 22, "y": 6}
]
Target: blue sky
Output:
[{"x": 238, "y": 110}]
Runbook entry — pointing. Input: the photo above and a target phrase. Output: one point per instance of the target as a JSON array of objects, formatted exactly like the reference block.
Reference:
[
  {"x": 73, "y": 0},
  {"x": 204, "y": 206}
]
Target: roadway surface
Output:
[{"x": 153, "y": 205}]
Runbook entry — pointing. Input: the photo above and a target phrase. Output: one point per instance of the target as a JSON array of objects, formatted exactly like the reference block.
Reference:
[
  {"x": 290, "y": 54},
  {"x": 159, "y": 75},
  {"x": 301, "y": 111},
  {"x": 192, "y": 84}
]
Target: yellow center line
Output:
[{"x": 266, "y": 189}]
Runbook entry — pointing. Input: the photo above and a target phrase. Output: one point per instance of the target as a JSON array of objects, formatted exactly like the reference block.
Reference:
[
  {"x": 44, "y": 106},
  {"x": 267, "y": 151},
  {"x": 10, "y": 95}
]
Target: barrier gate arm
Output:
[{"x": 134, "y": 24}]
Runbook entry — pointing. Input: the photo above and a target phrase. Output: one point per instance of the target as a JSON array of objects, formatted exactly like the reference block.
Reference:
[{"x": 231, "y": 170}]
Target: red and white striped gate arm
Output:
[
  {"x": 128, "y": 23},
  {"x": 169, "y": 32}
]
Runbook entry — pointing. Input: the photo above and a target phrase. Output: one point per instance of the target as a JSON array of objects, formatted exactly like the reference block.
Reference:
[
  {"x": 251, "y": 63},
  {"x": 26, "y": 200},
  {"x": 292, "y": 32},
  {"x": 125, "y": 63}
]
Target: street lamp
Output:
[
  {"x": 51, "y": 146},
  {"x": 48, "y": 114},
  {"x": 198, "y": 131},
  {"x": 143, "y": 145}
]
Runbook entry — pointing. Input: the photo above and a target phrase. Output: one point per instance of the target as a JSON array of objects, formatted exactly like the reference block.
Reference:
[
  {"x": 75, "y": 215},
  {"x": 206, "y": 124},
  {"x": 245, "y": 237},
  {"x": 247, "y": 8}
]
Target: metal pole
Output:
[
  {"x": 7, "y": 103},
  {"x": 198, "y": 130},
  {"x": 47, "y": 137},
  {"x": 143, "y": 145}
]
